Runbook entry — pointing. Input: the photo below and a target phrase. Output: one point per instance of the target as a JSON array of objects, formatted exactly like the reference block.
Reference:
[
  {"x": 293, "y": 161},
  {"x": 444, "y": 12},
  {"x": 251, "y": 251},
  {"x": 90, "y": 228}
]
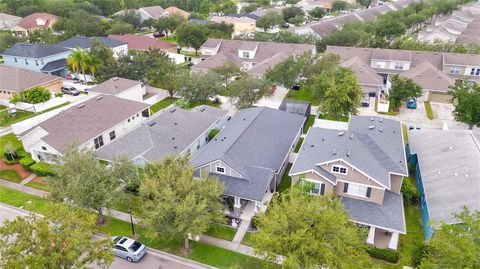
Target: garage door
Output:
[{"x": 439, "y": 97}]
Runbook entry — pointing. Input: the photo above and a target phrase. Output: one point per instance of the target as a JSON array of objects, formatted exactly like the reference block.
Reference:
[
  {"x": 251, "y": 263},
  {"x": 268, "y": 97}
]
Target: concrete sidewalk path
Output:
[{"x": 28, "y": 179}]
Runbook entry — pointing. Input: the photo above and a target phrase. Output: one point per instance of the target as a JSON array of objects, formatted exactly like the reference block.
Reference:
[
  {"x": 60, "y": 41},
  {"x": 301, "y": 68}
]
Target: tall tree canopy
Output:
[
  {"x": 466, "y": 99},
  {"x": 191, "y": 35},
  {"x": 177, "y": 205},
  {"x": 402, "y": 89},
  {"x": 200, "y": 86},
  {"x": 247, "y": 90}
]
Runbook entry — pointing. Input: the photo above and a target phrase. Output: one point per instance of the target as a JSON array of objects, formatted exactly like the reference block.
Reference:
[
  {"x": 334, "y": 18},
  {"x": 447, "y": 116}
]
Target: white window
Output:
[
  {"x": 455, "y": 70},
  {"x": 220, "y": 169},
  {"x": 339, "y": 169},
  {"x": 399, "y": 66},
  {"x": 357, "y": 190},
  {"x": 475, "y": 72},
  {"x": 379, "y": 65},
  {"x": 317, "y": 188},
  {"x": 98, "y": 141},
  {"x": 246, "y": 54}
]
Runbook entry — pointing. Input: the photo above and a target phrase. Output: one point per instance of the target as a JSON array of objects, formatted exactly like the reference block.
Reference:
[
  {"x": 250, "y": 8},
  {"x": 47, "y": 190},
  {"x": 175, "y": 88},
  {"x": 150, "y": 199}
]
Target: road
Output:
[{"x": 153, "y": 259}]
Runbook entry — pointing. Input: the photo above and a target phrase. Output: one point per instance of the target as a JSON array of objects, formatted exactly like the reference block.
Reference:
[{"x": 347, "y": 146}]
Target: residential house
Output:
[
  {"x": 145, "y": 13},
  {"x": 175, "y": 10},
  {"x": 250, "y": 155},
  {"x": 45, "y": 58},
  {"x": 307, "y": 5},
  {"x": 202, "y": 22},
  {"x": 91, "y": 124},
  {"x": 141, "y": 42},
  {"x": 251, "y": 56},
  {"x": 242, "y": 23},
  {"x": 365, "y": 166},
  {"x": 174, "y": 131},
  {"x": 447, "y": 174},
  {"x": 123, "y": 88},
  {"x": 8, "y": 21},
  {"x": 118, "y": 47},
  {"x": 13, "y": 80},
  {"x": 260, "y": 12},
  {"x": 325, "y": 26},
  {"x": 35, "y": 21},
  {"x": 434, "y": 71}
]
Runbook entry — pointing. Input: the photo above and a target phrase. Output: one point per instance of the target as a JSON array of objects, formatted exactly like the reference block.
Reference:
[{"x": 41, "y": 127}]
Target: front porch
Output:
[
  {"x": 244, "y": 209},
  {"x": 382, "y": 238}
]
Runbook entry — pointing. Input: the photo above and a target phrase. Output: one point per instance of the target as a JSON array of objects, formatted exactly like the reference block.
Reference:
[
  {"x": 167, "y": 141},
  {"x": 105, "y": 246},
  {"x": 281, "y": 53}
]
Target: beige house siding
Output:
[
  {"x": 53, "y": 86},
  {"x": 352, "y": 174},
  {"x": 446, "y": 69},
  {"x": 211, "y": 167},
  {"x": 313, "y": 176},
  {"x": 376, "y": 195},
  {"x": 5, "y": 95},
  {"x": 396, "y": 183}
]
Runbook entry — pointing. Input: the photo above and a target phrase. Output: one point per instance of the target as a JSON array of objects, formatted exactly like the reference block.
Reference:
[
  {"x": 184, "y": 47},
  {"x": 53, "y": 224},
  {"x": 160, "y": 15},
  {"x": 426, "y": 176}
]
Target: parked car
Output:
[
  {"x": 70, "y": 90},
  {"x": 412, "y": 103},
  {"x": 129, "y": 249},
  {"x": 365, "y": 101}
]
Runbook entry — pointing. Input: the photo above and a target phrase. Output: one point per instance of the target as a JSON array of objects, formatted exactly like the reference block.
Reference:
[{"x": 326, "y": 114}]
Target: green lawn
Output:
[
  {"x": 209, "y": 103},
  {"x": 222, "y": 231},
  {"x": 21, "y": 115},
  {"x": 36, "y": 185},
  {"x": 170, "y": 38},
  {"x": 302, "y": 95},
  {"x": 212, "y": 255},
  {"x": 286, "y": 181},
  {"x": 132, "y": 201},
  {"x": 10, "y": 175},
  {"x": 310, "y": 122},
  {"x": 299, "y": 145},
  {"x": 428, "y": 109},
  {"x": 162, "y": 104},
  {"x": 9, "y": 138},
  {"x": 328, "y": 117},
  {"x": 247, "y": 239},
  {"x": 405, "y": 133}
]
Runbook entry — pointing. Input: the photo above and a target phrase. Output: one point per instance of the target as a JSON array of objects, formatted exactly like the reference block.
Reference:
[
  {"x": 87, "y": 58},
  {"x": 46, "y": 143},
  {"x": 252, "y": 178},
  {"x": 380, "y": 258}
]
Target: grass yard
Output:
[
  {"x": 38, "y": 185},
  {"x": 212, "y": 255},
  {"x": 10, "y": 175},
  {"x": 208, "y": 103},
  {"x": 428, "y": 109},
  {"x": 9, "y": 138},
  {"x": 286, "y": 181},
  {"x": 132, "y": 201},
  {"x": 298, "y": 146},
  {"x": 302, "y": 95},
  {"x": 247, "y": 239},
  {"x": 6, "y": 119},
  {"x": 405, "y": 133},
  {"x": 170, "y": 38},
  {"x": 328, "y": 117},
  {"x": 310, "y": 122},
  {"x": 162, "y": 104},
  {"x": 222, "y": 231}
]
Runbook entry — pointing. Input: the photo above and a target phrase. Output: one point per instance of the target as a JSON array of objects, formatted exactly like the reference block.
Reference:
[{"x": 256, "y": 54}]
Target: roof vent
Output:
[
  {"x": 348, "y": 153},
  {"x": 334, "y": 151},
  {"x": 173, "y": 138},
  {"x": 439, "y": 172},
  {"x": 312, "y": 145},
  {"x": 371, "y": 118},
  {"x": 244, "y": 119},
  {"x": 351, "y": 136},
  {"x": 455, "y": 174},
  {"x": 380, "y": 129},
  {"x": 175, "y": 147},
  {"x": 380, "y": 120},
  {"x": 450, "y": 148},
  {"x": 115, "y": 78},
  {"x": 152, "y": 123},
  {"x": 371, "y": 127},
  {"x": 173, "y": 110},
  {"x": 466, "y": 175},
  {"x": 82, "y": 105},
  {"x": 175, "y": 123},
  {"x": 202, "y": 109},
  {"x": 99, "y": 98},
  {"x": 341, "y": 133}
]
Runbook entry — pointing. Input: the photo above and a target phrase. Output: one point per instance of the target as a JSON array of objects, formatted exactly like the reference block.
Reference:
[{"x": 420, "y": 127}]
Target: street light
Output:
[{"x": 131, "y": 221}]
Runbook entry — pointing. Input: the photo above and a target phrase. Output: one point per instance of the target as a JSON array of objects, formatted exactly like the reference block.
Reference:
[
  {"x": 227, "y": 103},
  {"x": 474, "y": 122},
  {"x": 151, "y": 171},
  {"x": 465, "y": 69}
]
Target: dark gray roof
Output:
[
  {"x": 168, "y": 132},
  {"x": 296, "y": 107},
  {"x": 31, "y": 50},
  {"x": 248, "y": 15},
  {"x": 388, "y": 215},
  {"x": 54, "y": 65},
  {"x": 203, "y": 22},
  {"x": 85, "y": 42},
  {"x": 376, "y": 152}
]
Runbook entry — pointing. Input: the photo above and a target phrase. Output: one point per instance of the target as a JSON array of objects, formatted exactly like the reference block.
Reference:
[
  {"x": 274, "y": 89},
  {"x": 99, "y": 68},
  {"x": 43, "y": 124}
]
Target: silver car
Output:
[{"x": 128, "y": 248}]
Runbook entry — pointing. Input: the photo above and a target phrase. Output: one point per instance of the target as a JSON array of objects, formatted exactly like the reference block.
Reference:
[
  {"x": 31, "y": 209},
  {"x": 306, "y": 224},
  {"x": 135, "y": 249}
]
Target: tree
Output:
[
  {"x": 7, "y": 40},
  {"x": 81, "y": 22},
  {"x": 269, "y": 21},
  {"x": 390, "y": 29},
  {"x": 191, "y": 35},
  {"x": 457, "y": 245},
  {"x": 227, "y": 71},
  {"x": 339, "y": 5},
  {"x": 121, "y": 28},
  {"x": 93, "y": 63},
  {"x": 107, "y": 65},
  {"x": 365, "y": 3},
  {"x": 297, "y": 20},
  {"x": 60, "y": 240},
  {"x": 290, "y": 12},
  {"x": 10, "y": 151},
  {"x": 85, "y": 182},
  {"x": 177, "y": 205},
  {"x": 200, "y": 87},
  {"x": 466, "y": 99},
  {"x": 170, "y": 77},
  {"x": 76, "y": 62},
  {"x": 247, "y": 90},
  {"x": 290, "y": 70},
  {"x": 127, "y": 173},
  {"x": 317, "y": 12},
  {"x": 43, "y": 36},
  {"x": 132, "y": 18},
  {"x": 219, "y": 30},
  {"x": 402, "y": 89},
  {"x": 341, "y": 94},
  {"x": 311, "y": 232}
]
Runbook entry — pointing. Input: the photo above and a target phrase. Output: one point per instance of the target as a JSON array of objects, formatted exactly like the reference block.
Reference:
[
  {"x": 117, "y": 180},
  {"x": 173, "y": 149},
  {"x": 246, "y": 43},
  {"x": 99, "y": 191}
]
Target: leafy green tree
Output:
[
  {"x": 311, "y": 232},
  {"x": 466, "y": 99},
  {"x": 317, "y": 12},
  {"x": 191, "y": 35},
  {"x": 81, "y": 22},
  {"x": 10, "y": 151},
  {"x": 121, "y": 28},
  {"x": 170, "y": 77},
  {"x": 43, "y": 36},
  {"x": 290, "y": 12},
  {"x": 219, "y": 30},
  {"x": 60, "y": 240},
  {"x": 390, "y": 29},
  {"x": 132, "y": 18},
  {"x": 341, "y": 94},
  {"x": 402, "y": 89},
  {"x": 85, "y": 182},
  {"x": 177, "y": 205},
  {"x": 365, "y": 3},
  {"x": 455, "y": 246},
  {"x": 227, "y": 71},
  {"x": 127, "y": 173},
  {"x": 290, "y": 70},
  {"x": 92, "y": 63},
  {"x": 250, "y": 8},
  {"x": 247, "y": 90},
  {"x": 76, "y": 62},
  {"x": 269, "y": 21},
  {"x": 339, "y": 5},
  {"x": 104, "y": 54},
  {"x": 297, "y": 20},
  {"x": 7, "y": 40},
  {"x": 200, "y": 87}
]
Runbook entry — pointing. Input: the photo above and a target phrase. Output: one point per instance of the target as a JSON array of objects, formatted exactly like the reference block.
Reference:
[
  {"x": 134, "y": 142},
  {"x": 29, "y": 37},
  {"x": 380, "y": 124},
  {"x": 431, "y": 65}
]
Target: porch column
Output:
[
  {"x": 371, "y": 236},
  {"x": 393, "y": 243},
  {"x": 257, "y": 207},
  {"x": 237, "y": 205}
]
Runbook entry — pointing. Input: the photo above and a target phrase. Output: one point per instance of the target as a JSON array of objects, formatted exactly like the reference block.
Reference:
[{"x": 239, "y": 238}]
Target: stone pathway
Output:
[
  {"x": 242, "y": 230},
  {"x": 28, "y": 179}
]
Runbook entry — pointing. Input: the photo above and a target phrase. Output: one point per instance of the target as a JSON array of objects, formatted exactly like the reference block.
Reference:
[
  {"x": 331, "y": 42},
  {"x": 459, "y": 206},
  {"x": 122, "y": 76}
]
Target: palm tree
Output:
[
  {"x": 93, "y": 63},
  {"x": 76, "y": 60}
]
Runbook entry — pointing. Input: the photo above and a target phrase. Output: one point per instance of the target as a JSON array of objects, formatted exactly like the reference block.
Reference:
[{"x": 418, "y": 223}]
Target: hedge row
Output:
[
  {"x": 42, "y": 169},
  {"x": 383, "y": 254},
  {"x": 26, "y": 162}
]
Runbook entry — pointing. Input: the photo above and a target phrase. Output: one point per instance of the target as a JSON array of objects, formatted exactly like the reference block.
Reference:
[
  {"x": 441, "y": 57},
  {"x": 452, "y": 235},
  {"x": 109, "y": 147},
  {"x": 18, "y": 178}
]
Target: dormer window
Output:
[
  {"x": 246, "y": 54},
  {"x": 455, "y": 70},
  {"x": 220, "y": 169},
  {"x": 398, "y": 66},
  {"x": 339, "y": 169}
]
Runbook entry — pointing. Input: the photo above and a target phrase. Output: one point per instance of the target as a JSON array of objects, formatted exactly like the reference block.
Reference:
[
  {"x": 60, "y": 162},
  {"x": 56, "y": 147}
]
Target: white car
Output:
[{"x": 128, "y": 248}]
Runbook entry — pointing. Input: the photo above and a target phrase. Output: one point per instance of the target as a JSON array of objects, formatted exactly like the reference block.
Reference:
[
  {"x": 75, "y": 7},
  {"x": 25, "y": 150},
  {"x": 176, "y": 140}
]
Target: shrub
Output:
[
  {"x": 59, "y": 94},
  {"x": 26, "y": 162},
  {"x": 254, "y": 222},
  {"x": 420, "y": 252},
  {"x": 213, "y": 133},
  {"x": 428, "y": 109},
  {"x": 410, "y": 192},
  {"x": 10, "y": 162},
  {"x": 42, "y": 169},
  {"x": 33, "y": 96},
  {"x": 21, "y": 153},
  {"x": 383, "y": 254}
]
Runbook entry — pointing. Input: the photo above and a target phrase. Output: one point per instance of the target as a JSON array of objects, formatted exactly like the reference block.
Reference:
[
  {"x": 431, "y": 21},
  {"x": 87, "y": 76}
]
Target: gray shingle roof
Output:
[
  {"x": 85, "y": 42},
  {"x": 13, "y": 79},
  {"x": 429, "y": 77},
  {"x": 254, "y": 138},
  {"x": 449, "y": 164},
  {"x": 251, "y": 189},
  {"x": 115, "y": 85},
  {"x": 389, "y": 215},
  {"x": 31, "y": 50},
  {"x": 54, "y": 65},
  {"x": 376, "y": 153},
  {"x": 169, "y": 132}
]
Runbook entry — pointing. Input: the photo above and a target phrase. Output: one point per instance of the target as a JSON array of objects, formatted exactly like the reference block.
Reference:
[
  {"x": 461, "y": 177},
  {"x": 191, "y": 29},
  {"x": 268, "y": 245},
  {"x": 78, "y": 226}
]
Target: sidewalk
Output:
[{"x": 126, "y": 217}]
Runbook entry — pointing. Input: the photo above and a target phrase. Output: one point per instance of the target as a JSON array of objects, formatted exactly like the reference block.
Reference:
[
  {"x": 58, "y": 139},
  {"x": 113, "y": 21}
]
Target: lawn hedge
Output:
[
  {"x": 383, "y": 254},
  {"x": 26, "y": 162},
  {"x": 42, "y": 169}
]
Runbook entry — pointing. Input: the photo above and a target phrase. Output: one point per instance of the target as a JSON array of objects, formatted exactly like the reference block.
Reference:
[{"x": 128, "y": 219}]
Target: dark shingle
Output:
[{"x": 31, "y": 50}]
